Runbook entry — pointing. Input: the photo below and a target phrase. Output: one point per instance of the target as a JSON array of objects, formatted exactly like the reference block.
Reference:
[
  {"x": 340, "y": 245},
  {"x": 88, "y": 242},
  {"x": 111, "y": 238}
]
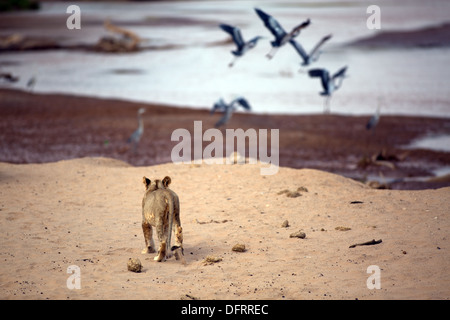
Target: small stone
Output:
[
  {"x": 134, "y": 265},
  {"x": 285, "y": 224},
  {"x": 298, "y": 234},
  {"x": 238, "y": 247}
]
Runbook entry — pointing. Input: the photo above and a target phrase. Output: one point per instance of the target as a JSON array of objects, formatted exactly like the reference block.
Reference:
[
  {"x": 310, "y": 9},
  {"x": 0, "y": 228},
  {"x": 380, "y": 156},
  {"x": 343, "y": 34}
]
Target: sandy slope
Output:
[{"x": 87, "y": 212}]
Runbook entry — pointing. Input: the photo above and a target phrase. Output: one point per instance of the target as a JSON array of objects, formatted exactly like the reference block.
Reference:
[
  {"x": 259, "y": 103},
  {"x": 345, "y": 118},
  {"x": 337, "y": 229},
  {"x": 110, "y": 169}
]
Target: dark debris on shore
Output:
[{"x": 38, "y": 128}]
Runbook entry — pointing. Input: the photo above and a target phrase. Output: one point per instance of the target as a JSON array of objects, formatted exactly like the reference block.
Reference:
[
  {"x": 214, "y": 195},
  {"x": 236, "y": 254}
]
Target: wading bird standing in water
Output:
[
  {"x": 242, "y": 46},
  {"x": 137, "y": 134},
  {"x": 228, "y": 109},
  {"x": 373, "y": 121},
  {"x": 329, "y": 84},
  {"x": 281, "y": 36},
  {"x": 313, "y": 55},
  {"x": 31, "y": 83}
]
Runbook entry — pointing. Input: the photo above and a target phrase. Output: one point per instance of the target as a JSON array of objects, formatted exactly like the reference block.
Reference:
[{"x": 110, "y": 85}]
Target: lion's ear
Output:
[
  {"x": 146, "y": 182},
  {"x": 166, "y": 181}
]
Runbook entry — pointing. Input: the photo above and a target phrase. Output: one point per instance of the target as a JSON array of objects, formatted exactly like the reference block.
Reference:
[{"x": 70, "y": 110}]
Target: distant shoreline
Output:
[
  {"x": 434, "y": 36},
  {"x": 40, "y": 128}
]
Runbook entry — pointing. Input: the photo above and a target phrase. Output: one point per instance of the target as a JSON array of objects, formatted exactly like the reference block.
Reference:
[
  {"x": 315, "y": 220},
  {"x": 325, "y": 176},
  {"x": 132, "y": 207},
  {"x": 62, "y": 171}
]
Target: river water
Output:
[{"x": 191, "y": 70}]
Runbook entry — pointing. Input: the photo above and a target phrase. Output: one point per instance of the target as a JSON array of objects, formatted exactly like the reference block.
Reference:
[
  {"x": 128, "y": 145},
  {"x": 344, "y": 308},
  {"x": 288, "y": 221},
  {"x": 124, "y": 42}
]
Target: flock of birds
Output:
[{"x": 330, "y": 82}]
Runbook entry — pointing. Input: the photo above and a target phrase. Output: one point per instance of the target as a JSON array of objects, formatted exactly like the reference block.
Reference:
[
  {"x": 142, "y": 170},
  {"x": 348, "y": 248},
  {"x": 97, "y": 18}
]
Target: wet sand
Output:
[{"x": 39, "y": 128}]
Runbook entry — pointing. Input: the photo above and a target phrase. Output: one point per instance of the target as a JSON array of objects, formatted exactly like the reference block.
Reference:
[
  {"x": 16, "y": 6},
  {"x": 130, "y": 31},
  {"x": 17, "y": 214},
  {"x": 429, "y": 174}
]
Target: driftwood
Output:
[
  {"x": 126, "y": 33},
  {"x": 382, "y": 158},
  {"x": 212, "y": 221},
  {"x": 368, "y": 243},
  {"x": 128, "y": 42},
  {"x": 19, "y": 42}
]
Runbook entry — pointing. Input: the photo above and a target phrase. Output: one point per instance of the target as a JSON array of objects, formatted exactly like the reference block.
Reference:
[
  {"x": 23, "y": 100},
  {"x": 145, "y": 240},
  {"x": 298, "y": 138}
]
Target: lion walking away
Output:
[{"x": 161, "y": 210}]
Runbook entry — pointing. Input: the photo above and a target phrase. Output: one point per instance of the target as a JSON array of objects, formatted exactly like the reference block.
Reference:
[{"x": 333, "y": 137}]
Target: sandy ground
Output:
[{"x": 87, "y": 212}]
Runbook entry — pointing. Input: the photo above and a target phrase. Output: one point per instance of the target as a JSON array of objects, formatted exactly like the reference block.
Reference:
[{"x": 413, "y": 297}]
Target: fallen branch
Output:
[
  {"x": 212, "y": 221},
  {"x": 124, "y": 32},
  {"x": 128, "y": 42},
  {"x": 368, "y": 243}
]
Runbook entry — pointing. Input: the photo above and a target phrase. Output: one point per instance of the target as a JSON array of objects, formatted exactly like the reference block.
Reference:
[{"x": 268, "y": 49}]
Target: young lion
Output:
[{"x": 161, "y": 209}]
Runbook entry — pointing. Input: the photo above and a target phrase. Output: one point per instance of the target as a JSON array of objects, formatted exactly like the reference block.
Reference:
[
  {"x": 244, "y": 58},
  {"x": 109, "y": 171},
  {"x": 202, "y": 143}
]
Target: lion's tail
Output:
[{"x": 169, "y": 228}]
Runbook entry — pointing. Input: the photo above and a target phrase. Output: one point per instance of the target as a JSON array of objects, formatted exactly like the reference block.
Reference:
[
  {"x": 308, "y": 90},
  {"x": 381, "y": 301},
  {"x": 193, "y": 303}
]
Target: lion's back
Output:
[{"x": 153, "y": 204}]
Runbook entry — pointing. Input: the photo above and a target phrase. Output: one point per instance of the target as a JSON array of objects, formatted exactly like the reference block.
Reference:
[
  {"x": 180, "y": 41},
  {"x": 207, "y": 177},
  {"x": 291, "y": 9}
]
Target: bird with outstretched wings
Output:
[
  {"x": 313, "y": 54},
  {"x": 241, "y": 45},
  {"x": 329, "y": 83},
  {"x": 281, "y": 36},
  {"x": 228, "y": 109}
]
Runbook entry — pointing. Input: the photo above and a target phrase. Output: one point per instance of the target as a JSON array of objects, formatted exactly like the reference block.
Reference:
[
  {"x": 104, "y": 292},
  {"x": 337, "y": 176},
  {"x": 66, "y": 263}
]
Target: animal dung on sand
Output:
[
  {"x": 134, "y": 265},
  {"x": 238, "y": 247},
  {"x": 342, "y": 228},
  {"x": 298, "y": 234},
  {"x": 211, "y": 260}
]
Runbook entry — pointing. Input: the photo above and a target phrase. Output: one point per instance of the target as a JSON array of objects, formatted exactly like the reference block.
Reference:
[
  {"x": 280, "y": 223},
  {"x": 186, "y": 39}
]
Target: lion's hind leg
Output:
[
  {"x": 179, "y": 236},
  {"x": 161, "y": 253},
  {"x": 148, "y": 237},
  {"x": 163, "y": 231},
  {"x": 177, "y": 248}
]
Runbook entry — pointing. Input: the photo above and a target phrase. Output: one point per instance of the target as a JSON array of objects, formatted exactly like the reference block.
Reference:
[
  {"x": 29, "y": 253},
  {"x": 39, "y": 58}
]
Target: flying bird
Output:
[
  {"x": 242, "y": 46},
  {"x": 281, "y": 36},
  {"x": 314, "y": 54},
  {"x": 228, "y": 109},
  {"x": 137, "y": 134},
  {"x": 219, "y": 105},
  {"x": 329, "y": 83}
]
